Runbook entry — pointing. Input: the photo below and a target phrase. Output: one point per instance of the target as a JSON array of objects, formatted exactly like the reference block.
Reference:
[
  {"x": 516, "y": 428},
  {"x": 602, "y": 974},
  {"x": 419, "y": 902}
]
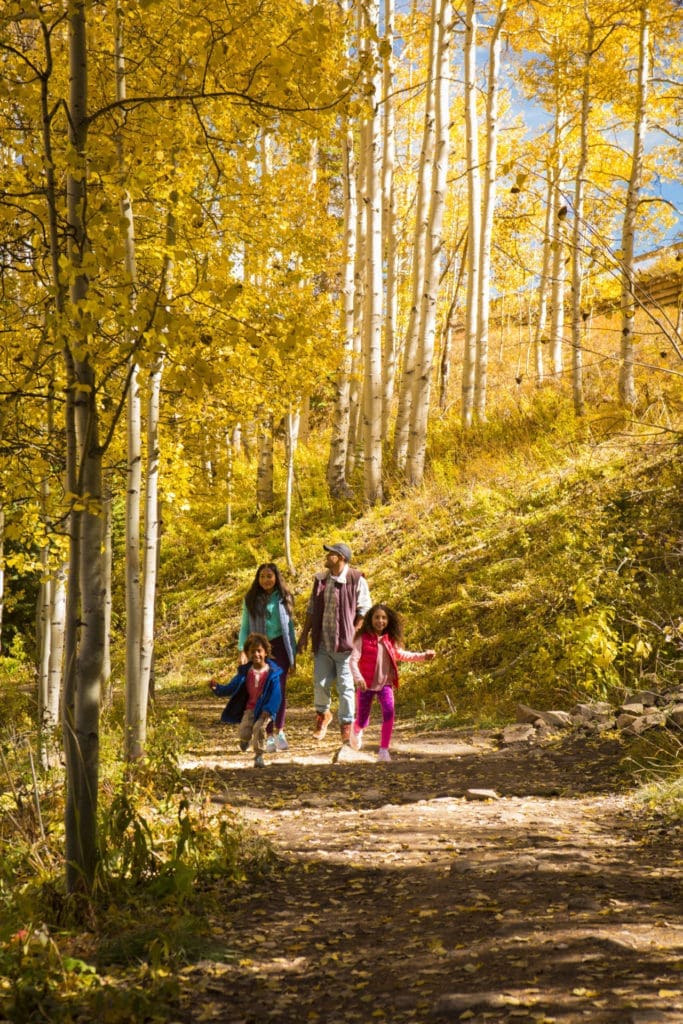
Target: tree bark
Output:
[
  {"x": 488, "y": 205},
  {"x": 419, "y": 412},
  {"x": 627, "y": 388},
  {"x": 372, "y": 324},
  {"x": 424, "y": 188},
  {"x": 474, "y": 217}
]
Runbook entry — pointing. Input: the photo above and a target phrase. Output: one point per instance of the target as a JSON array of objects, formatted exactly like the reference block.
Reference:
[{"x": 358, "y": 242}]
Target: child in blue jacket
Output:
[{"x": 255, "y": 695}]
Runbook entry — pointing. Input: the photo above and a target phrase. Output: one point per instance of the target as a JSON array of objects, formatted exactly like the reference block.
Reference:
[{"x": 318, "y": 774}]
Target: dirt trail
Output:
[{"x": 397, "y": 899}]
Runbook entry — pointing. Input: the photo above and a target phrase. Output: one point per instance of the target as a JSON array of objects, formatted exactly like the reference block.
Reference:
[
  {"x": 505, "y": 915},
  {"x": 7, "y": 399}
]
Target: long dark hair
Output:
[
  {"x": 394, "y": 628},
  {"x": 255, "y": 598}
]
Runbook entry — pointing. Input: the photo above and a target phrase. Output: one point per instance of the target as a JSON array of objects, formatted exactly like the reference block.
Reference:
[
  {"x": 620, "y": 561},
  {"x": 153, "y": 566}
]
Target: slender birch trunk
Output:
[
  {"x": 422, "y": 204},
  {"x": 107, "y": 555},
  {"x": 291, "y": 439},
  {"x": 488, "y": 205},
  {"x": 389, "y": 218},
  {"x": 544, "y": 279},
  {"x": 419, "y": 412},
  {"x": 372, "y": 333},
  {"x": 474, "y": 216},
  {"x": 627, "y": 388},
  {"x": 265, "y": 494},
  {"x": 449, "y": 324},
  {"x": 85, "y": 630},
  {"x": 152, "y": 539},
  {"x": 558, "y": 242},
  {"x": 2, "y": 570},
  {"x": 578, "y": 225},
  {"x": 336, "y": 466},
  {"x": 356, "y": 391},
  {"x": 134, "y": 446}
]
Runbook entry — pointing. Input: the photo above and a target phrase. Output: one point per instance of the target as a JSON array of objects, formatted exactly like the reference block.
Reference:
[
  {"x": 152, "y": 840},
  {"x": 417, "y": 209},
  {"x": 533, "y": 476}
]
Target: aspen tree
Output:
[
  {"x": 419, "y": 408},
  {"x": 389, "y": 215},
  {"x": 85, "y": 606},
  {"x": 336, "y": 466},
  {"x": 474, "y": 216},
  {"x": 291, "y": 438},
  {"x": 544, "y": 280},
  {"x": 488, "y": 204},
  {"x": 577, "y": 237},
  {"x": 372, "y": 321},
  {"x": 419, "y": 250},
  {"x": 626, "y": 383},
  {"x": 132, "y": 743}
]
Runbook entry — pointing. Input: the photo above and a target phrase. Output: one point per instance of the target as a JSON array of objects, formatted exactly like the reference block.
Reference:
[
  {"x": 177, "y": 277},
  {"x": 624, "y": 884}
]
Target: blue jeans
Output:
[{"x": 328, "y": 668}]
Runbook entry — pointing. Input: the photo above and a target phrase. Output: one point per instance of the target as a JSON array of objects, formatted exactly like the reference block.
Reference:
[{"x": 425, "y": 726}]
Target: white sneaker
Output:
[
  {"x": 356, "y": 738},
  {"x": 270, "y": 745},
  {"x": 383, "y": 754},
  {"x": 281, "y": 741}
]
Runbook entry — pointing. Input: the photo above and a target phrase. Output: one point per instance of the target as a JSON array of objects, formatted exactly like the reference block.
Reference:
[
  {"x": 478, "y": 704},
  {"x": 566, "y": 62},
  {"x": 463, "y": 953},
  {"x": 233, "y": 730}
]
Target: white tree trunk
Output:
[
  {"x": 2, "y": 570},
  {"x": 389, "y": 217},
  {"x": 57, "y": 628},
  {"x": 422, "y": 203},
  {"x": 544, "y": 280},
  {"x": 627, "y": 388},
  {"x": 134, "y": 450},
  {"x": 291, "y": 439},
  {"x": 474, "y": 216},
  {"x": 419, "y": 411},
  {"x": 449, "y": 323},
  {"x": 265, "y": 494},
  {"x": 488, "y": 205},
  {"x": 355, "y": 390},
  {"x": 83, "y": 676},
  {"x": 558, "y": 244},
  {"x": 578, "y": 227},
  {"x": 107, "y": 555},
  {"x": 336, "y": 466},
  {"x": 374, "y": 286},
  {"x": 151, "y": 554}
]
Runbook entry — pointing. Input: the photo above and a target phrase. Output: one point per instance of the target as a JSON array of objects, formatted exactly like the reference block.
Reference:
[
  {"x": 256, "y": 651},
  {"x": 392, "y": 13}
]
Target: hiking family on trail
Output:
[{"x": 355, "y": 643}]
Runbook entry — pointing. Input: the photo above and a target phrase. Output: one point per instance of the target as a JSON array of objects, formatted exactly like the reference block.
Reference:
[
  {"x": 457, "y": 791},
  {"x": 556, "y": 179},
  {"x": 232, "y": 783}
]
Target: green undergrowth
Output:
[
  {"x": 541, "y": 558},
  {"x": 167, "y": 855}
]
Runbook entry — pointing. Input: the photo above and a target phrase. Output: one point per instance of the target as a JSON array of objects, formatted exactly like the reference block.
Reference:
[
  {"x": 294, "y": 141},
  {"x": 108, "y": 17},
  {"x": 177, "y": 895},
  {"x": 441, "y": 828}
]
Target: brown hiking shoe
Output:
[
  {"x": 346, "y": 731},
  {"x": 322, "y": 720}
]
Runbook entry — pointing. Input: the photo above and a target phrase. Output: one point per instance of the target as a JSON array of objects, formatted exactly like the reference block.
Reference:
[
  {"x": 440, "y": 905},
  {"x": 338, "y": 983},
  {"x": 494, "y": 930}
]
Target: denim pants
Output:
[{"x": 327, "y": 669}]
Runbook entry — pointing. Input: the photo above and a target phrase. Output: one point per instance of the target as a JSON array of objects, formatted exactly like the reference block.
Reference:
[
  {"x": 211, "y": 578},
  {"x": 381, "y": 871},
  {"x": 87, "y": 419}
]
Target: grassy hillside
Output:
[{"x": 541, "y": 559}]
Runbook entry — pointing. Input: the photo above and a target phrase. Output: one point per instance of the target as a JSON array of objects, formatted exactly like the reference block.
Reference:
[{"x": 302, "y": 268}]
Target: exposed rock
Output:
[
  {"x": 481, "y": 794},
  {"x": 676, "y": 715},
  {"x": 559, "y": 719},
  {"x": 520, "y": 733},
  {"x": 595, "y": 710},
  {"x": 632, "y": 709},
  {"x": 626, "y": 719},
  {"x": 647, "y": 697},
  {"x": 650, "y": 721}
]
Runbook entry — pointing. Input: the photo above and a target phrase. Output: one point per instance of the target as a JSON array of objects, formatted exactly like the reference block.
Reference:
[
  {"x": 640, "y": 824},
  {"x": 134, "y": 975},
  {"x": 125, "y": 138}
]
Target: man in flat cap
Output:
[{"x": 339, "y": 599}]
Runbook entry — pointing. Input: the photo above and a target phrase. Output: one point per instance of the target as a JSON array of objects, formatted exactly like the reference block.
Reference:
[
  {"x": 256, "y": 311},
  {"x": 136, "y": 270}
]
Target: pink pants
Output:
[{"x": 385, "y": 696}]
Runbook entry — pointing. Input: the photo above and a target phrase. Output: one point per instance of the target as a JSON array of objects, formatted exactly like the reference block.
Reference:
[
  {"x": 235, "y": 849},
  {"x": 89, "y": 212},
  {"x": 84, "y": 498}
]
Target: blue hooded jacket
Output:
[{"x": 269, "y": 699}]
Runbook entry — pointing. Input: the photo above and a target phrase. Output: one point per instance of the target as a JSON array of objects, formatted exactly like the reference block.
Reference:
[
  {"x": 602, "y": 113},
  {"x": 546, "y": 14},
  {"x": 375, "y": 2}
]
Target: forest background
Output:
[{"x": 285, "y": 272}]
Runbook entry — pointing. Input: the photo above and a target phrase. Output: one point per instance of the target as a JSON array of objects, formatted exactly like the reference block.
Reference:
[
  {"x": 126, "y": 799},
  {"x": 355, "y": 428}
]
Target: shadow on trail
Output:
[{"x": 574, "y": 767}]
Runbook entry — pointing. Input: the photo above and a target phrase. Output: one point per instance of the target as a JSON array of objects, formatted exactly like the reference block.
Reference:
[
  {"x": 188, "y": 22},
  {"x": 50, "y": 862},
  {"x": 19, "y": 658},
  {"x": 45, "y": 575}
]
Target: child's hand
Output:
[
  {"x": 430, "y": 655},
  {"x": 213, "y": 684}
]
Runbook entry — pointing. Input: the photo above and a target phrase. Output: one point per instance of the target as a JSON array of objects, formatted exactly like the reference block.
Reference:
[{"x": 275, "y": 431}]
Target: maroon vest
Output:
[{"x": 347, "y": 610}]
